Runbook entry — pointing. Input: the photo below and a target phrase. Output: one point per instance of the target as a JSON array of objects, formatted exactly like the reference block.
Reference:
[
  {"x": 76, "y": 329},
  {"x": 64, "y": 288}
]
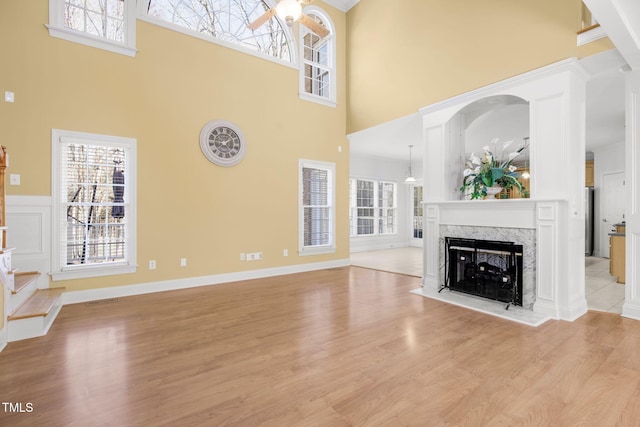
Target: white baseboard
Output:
[
  {"x": 377, "y": 246},
  {"x": 631, "y": 310},
  {"x": 74, "y": 297}
]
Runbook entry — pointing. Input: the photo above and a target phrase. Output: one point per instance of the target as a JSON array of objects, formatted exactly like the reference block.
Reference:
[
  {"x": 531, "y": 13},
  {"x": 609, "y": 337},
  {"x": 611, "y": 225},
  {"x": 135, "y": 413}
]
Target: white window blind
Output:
[
  {"x": 317, "y": 207},
  {"x": 95, "y": 187},
  {"x": 94, "y": 222}
]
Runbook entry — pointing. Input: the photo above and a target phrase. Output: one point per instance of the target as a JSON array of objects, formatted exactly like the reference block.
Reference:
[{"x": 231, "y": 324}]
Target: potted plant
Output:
[{"x": 487, "y": 175}]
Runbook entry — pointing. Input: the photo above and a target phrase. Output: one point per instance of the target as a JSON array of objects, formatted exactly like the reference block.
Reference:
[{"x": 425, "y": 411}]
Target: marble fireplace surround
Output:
[{"x": 538, "y": 225}]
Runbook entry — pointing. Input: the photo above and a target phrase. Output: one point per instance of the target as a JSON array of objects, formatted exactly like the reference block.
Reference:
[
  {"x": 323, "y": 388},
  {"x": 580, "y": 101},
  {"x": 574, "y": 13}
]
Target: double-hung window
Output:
[
  {"x": 317, "y": 68},
  {"x": 373, "y": 207},
  {"x": 105, "y": 24},
  {"x": 317, "y": 207},
  {"x": 93, "y": 205}
]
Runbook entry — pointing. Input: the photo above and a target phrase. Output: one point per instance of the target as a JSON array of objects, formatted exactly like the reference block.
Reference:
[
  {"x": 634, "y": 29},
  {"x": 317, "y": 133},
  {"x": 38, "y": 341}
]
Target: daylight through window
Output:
[
  {"x": 372, "y": 207},
  {"x": 94, "y": 215},
  {"x": 226, "y": 20}
]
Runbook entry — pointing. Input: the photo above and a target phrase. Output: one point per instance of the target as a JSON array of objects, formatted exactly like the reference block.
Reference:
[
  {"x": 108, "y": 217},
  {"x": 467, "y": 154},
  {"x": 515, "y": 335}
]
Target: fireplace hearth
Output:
[{"x": 484, "y": 268}]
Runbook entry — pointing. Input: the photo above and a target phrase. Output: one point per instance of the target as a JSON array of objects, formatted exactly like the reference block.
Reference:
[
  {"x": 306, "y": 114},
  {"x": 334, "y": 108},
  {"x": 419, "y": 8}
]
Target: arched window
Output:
[
  {"x": 317, "y": 63},
  {"x": 226, "y": 21}
]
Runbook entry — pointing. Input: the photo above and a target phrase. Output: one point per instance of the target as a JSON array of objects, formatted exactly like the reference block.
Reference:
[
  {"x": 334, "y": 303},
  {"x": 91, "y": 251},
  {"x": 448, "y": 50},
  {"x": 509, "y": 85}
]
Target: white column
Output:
[{"x": 631, "y": 307}]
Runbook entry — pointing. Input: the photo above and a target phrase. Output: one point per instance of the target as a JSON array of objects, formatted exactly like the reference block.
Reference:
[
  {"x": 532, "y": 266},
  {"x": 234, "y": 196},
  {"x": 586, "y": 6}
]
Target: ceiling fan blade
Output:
[
  {"x": 262, "y": 19},
  {"x": 314, "y": 26}
]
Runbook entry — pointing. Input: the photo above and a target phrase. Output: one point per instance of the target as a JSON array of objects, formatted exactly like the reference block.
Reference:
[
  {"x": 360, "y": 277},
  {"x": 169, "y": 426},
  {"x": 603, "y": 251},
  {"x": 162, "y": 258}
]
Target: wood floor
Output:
[{"x": 340, "y": 347}]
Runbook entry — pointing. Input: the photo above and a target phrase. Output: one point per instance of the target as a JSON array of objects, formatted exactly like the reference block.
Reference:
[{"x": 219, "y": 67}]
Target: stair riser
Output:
[{"x": 32, "y": 327}]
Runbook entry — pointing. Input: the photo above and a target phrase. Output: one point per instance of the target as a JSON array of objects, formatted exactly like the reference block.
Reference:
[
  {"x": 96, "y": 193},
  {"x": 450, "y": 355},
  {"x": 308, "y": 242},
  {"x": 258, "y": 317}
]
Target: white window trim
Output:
[
  {"x": 57, "y": 29},
  {"x": 376, "y": 208},
  {"x": 64, "y": 272},
  {"x": 331, "y": 39},
  {"x": 331, "y": 247},
  {"x": 143, "y": 16}
]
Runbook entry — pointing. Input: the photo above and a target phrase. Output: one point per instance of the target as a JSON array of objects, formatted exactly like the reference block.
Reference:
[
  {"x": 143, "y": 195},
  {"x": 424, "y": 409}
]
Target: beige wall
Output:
[
  {"x": 416, "y": 52},
  {"x": 187, "y": 207}
]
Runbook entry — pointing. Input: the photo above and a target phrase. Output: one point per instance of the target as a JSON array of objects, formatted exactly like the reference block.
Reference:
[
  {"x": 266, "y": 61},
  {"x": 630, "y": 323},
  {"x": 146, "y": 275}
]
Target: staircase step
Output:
[
  {"x": 6, "y": 250},
  {"x": 38, "y": 305},
  {"x": 22, "y": 280}
]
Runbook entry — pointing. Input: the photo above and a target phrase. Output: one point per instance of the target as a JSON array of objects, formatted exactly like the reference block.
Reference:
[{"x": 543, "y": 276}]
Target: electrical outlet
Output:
[
  {"x": 183, "y": 262},
  {"x": 254, "y": 256},
  {"x": 285, "y": 252},
  {"x": 152, "y": 264}
]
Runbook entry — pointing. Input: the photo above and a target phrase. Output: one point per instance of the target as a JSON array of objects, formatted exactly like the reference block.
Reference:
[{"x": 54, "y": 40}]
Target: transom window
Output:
[
  {"x": 373, "y": 207},
  {"x": 105, "y": 24},
  {"x": 226, "y": 21},
  {"x": 101, "y": 18}
]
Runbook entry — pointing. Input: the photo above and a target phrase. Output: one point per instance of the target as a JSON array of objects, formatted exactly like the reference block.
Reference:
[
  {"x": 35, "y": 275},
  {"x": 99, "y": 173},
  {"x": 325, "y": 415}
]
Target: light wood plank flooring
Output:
[
  {"x": 601, "y": 289},
  {"x": 340, "y": 347}
]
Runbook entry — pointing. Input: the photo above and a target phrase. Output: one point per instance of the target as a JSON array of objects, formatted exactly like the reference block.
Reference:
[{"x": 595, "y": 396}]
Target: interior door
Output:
[{"x": 612, "y": 204}]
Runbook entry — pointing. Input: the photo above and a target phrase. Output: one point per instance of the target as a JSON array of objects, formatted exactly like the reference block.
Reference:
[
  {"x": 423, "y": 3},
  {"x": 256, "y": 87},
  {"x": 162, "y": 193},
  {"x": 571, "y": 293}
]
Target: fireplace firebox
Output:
[{"x": 484, "y": 268}]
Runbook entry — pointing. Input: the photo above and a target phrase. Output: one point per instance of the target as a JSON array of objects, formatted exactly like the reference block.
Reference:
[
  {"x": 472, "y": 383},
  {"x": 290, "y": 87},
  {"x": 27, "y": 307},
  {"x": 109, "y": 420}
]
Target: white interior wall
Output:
[
  {"x": 507, "y": 123},
  {"x": 376, "y": 168},
  {"x": 606, "y": 159}
]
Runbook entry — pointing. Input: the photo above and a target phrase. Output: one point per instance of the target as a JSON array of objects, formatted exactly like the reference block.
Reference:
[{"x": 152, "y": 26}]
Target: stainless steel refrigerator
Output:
[{"x": 588, "y": 221}]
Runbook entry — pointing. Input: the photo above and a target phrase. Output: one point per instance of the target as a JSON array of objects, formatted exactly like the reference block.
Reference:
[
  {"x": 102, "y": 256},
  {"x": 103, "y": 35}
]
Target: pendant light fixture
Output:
[
  {"x": 410, "y": 179},
  {"x": 526, "y": 174}
]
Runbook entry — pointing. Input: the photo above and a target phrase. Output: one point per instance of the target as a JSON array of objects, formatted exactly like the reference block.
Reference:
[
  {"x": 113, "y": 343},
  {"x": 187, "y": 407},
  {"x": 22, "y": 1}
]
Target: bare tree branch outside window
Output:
[{"x": 226, "y": 20}]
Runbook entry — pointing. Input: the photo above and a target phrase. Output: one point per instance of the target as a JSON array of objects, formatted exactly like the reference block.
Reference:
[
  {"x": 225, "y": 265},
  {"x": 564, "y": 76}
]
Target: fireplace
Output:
[{"x": 485, "y": 268}]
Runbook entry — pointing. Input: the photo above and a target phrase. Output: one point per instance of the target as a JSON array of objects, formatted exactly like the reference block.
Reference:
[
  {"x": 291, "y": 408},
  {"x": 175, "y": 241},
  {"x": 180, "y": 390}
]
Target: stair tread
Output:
[
  {"x": 22, "y": 280},
  {"x": 39, "y": 304},
  {"x": 6, "y": 250}
]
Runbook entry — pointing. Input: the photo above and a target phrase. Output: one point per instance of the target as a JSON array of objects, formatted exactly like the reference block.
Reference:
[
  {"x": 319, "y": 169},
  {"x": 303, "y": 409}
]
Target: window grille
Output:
[
  {"x": 93, "y": 210},
  {"x": 227, "y": 21},
  {"x": 317, "y": 63},
  {"x": 317, "y": 74},
  {"x": 373, "y": 207},
  {"x": 417, "y": 212},
  {"x": 100, "y": 18},
  {"x": 103, "y": 24}
]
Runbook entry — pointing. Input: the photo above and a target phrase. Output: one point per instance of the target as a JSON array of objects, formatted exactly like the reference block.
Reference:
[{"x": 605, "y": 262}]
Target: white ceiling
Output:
[{"x": 604, "y": 116}]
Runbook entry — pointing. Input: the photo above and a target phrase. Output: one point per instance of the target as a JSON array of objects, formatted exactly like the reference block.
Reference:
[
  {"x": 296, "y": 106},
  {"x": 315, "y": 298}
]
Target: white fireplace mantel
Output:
[
  {"x": 510, "y": 213},
  {"x": 555, "y": 95}
]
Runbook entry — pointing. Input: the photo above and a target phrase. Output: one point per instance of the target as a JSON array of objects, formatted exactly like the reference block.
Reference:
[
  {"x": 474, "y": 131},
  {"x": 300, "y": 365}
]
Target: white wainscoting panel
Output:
[{"x": 28, "y": 222}]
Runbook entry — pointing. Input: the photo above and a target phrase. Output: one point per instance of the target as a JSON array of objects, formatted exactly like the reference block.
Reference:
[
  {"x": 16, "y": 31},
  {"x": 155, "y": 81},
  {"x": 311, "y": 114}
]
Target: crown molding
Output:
[{"x": 343, "y": 5}]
